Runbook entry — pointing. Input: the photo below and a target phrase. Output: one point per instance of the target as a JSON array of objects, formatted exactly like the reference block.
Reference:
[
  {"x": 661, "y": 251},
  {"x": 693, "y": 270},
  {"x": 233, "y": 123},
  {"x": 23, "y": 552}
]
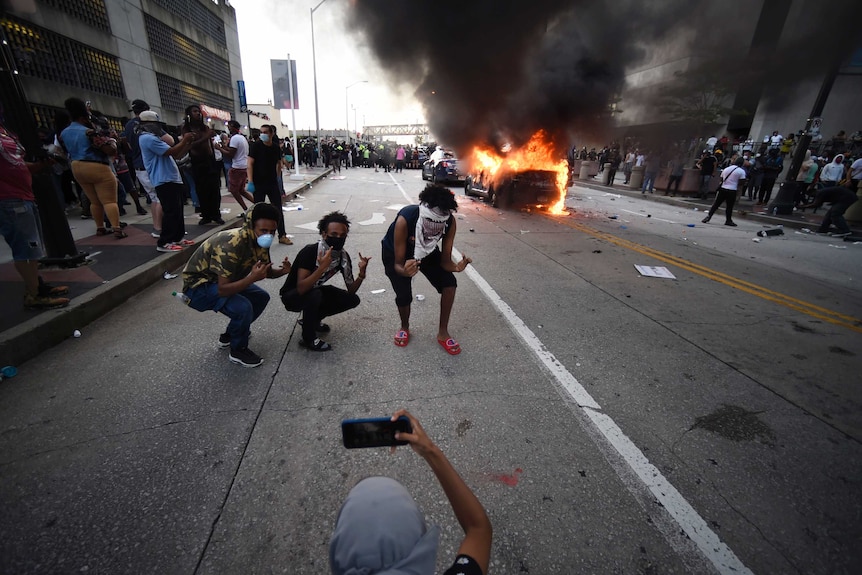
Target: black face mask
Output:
[{"x": 335, "y": 243}]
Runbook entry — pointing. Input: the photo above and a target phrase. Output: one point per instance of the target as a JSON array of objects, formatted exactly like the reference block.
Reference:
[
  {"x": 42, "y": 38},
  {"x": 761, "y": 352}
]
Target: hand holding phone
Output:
[{"x": 374, "y": 432}]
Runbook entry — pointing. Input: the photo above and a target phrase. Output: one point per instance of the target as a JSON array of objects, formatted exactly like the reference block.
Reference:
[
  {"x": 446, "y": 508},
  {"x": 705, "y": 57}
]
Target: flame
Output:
[{"x": 537, "y": 154}]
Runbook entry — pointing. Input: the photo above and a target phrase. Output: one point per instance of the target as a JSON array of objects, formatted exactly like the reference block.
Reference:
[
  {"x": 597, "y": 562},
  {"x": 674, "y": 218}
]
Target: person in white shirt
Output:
[
  {"x": 833, "y": 172},
  {"x": 730, "y": 179},
  {"x": 237, "y": 151},
  {"x": 710, "y": 143},
  {"x": 437, "y": 155},
  {"x": 775, "y": 140}
]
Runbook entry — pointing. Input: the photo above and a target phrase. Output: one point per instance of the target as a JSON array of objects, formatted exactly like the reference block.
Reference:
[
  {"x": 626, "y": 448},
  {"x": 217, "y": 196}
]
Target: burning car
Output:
[
  {"x": 514, "y": 189},
  {"x": 446, "y": 170},
  {"x": 526, "y": 176}
]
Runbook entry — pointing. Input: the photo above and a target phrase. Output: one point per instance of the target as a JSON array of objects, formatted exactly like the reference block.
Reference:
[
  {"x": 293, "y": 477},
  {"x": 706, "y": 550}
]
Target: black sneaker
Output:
[
  {"x": 224, "y": 340},
  {"x": 219, "y": 221},
  {"x": 245, "y": 357},
  {"x": 317, "y": 345}
]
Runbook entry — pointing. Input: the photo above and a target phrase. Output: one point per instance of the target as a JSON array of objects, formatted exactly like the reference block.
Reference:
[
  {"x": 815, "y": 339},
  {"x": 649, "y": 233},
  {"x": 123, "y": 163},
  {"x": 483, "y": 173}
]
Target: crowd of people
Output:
[{"x": 839, "y": 162}]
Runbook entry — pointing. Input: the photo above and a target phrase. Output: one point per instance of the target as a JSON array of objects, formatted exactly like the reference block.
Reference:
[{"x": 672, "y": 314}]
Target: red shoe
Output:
[
  {"x": 402, "y": 338},
  {"x": 451, "y": 346}
]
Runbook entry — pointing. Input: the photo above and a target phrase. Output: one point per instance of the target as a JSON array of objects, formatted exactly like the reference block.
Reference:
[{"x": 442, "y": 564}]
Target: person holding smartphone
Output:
[
  {"x": 380, "y": 529},
  {"x": 411, "y": 246}
]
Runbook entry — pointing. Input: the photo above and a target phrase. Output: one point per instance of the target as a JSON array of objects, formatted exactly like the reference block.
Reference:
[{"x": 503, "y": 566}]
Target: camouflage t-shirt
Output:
[{"x": 231, "y": 254}]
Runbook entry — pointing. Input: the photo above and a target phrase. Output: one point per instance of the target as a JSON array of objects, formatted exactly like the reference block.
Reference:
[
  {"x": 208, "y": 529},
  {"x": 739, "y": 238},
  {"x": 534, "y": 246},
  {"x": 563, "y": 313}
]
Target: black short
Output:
[{"x": 430, "y": 268}]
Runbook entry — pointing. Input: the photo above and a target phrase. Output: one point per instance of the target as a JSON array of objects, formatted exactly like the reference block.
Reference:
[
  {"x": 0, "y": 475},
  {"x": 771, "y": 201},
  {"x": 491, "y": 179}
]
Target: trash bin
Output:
[
  {"x": 588, "y": 170},
  {"x": 606, "y": 174},
  {"x": 637, "y": 179}
]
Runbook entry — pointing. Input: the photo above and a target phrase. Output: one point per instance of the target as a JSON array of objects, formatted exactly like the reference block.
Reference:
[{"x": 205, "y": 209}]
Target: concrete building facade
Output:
[
  {"x": 781, "y": 99},
  {"x": 170, "y": 53}
]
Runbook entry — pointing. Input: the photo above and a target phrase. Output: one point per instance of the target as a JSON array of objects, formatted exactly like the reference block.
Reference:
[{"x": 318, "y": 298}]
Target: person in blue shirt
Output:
[
  {"x": 91, "y": 153},
  {"x": 159, "y": 160}
]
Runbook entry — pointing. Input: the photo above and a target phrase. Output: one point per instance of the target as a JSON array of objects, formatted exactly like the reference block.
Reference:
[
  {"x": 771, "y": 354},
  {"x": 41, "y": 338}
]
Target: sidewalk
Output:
[
  {"x": 117, "y": 270},
  {"x": 744, "y": 208}
]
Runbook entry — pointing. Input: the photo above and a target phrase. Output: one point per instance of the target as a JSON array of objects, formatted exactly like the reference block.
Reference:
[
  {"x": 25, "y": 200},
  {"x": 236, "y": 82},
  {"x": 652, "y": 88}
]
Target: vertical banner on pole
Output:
[
  {"x": 240, "y": 86},
  {"x": 281, "y": 84}
]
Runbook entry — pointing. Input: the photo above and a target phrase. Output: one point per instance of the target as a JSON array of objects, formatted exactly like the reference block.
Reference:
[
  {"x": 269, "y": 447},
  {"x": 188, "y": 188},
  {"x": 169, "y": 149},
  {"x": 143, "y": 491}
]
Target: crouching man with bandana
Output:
[
  {"x": 411, "y": 246},
  {"x": 315, "y": 264},
  {"x": 221, "y": 274},
  {"x": 380, "y": 529}
]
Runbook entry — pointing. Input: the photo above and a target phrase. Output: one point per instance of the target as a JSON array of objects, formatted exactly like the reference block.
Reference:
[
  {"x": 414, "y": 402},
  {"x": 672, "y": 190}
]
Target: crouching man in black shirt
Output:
[{"x": 313, "y": 266}]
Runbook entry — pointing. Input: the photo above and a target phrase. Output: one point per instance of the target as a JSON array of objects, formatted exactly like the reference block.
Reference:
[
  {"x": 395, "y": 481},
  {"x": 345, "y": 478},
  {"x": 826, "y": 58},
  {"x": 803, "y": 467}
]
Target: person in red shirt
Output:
[{"x": 20, "y": 225}]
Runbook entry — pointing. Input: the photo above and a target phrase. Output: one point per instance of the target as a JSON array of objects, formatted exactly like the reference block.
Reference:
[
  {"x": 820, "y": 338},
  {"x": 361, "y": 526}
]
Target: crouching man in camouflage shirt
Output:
[{"x": 221, "y": 274}]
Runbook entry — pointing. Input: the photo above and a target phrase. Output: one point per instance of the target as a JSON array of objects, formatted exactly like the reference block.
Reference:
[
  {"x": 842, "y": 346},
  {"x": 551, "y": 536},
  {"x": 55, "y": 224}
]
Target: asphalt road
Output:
[{"x": 609, "y": 422}]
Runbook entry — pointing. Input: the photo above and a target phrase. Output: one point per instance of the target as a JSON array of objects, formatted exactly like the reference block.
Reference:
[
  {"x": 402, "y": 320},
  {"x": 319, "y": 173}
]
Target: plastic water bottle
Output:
[
  {"x": 8, "y": 371},
  {"x": 182, "y": 297}
]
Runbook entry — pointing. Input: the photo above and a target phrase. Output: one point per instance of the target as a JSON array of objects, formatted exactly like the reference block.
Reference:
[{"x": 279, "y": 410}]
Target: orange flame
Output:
[{"x": 537, "y": 154}]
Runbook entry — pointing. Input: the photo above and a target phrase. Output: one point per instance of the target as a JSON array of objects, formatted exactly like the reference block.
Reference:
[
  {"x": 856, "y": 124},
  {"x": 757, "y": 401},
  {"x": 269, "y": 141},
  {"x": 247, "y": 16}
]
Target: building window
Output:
[
  {"x": 46, "y": 55},
  {"x": 92, "y": 12},
  {"x": 44, "y": 116},
  {"x": 169, "y": 44},
  {"x": 176, "y": 95},
  {"x": 198, "y": 15}
]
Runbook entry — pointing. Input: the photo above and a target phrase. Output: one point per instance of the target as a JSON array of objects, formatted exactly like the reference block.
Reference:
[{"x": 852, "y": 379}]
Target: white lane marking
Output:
[
  {"x": 403, "y": 193},
  {"x": 309, "y": 226},
  {"x": 376, "y": 218},
  {"x": 710, "y": 545}
]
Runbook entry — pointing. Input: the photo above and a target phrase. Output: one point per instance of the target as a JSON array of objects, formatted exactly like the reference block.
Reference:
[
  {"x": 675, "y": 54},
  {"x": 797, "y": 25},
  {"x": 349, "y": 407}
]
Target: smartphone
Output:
[{"x": 373, "y": 432}]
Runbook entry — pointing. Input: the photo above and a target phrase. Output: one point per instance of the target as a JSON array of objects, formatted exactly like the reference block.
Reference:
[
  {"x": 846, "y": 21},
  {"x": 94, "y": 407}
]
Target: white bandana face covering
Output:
[{"x": 430, "y": 227}]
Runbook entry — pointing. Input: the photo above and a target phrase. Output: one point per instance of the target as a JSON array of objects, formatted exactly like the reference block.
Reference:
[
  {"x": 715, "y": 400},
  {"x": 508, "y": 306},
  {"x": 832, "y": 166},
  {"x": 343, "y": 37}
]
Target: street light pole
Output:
[
  {"x": 347, "y": 111},
  {"x": 314, "y": 71}
]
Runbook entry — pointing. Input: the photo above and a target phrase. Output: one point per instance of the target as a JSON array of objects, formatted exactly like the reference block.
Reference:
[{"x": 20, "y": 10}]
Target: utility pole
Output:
[{"x": 785, "y": 198}]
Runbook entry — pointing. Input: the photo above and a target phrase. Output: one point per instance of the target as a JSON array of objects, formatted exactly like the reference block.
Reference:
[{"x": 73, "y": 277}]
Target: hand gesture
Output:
[
  {"x": 411, "y": 268},
  {"x": 462, "y": 265},
  {"x": 285, "y": 267},
  {"x": 326, "y": 259},
  {"x": 418, "y": 440},
  {"x": 259, "y": 271},
  {"x": 363, "y": 263}
]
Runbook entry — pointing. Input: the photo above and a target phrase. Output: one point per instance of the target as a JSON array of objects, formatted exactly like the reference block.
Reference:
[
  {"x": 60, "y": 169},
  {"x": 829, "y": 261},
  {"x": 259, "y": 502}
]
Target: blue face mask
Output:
[
  {"x": 264, "y": 138},
  {"x": 265, "y": 241}
]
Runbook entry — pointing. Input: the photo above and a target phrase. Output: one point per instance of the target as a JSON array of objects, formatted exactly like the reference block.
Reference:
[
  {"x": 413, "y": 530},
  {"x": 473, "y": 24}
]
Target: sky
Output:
[{"x": 270, "y": 29}]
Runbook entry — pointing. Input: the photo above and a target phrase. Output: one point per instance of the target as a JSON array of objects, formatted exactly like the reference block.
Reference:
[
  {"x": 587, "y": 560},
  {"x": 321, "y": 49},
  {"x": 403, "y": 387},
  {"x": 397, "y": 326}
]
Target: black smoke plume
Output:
[{"x": 495, "y": 71}]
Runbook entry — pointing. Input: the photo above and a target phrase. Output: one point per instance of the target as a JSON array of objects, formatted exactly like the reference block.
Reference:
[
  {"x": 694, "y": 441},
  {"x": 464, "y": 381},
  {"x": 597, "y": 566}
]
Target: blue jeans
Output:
[
  {"x": 242, "y": 309},
  {"x": 649, "y": 181}
]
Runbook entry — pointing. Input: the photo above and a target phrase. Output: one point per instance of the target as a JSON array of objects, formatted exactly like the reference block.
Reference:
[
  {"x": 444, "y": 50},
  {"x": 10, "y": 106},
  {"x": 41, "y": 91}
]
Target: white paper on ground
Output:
[
  {"x": 378, "y": 290},
  {"x": 655, "y": 272}
]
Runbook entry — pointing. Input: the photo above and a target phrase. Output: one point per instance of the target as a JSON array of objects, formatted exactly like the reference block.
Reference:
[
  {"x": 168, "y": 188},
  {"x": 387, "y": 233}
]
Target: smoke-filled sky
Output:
[{"x": 495, "y": 71}]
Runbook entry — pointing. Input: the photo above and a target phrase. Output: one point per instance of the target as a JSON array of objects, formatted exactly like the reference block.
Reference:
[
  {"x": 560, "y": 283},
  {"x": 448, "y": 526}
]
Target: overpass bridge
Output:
[{"x": 395, "y": 130}]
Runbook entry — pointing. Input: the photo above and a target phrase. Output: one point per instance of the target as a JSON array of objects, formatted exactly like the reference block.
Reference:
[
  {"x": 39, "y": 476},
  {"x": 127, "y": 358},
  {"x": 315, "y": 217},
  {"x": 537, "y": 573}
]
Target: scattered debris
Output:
[
  {"x": 419, "y": 297},
  {"x": 655, "y": 272},
  {"x": 169, "y": 276},
  {"x": 756, "y": 240},
  {"x": 76, "y": 333},
  {"x": 378, "y": 291},
  {"x": 838, "y": 247}
]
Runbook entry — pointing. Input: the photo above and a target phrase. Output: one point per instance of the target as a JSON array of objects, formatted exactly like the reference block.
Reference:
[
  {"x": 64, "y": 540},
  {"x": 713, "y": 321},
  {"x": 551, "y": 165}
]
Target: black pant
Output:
[
  {"x": 673, "y": 181},
  {"x": 724, "y": 195},
  {"x": 317, "y": 304},
  {"x": 835, "y": 216},
  {"x": 765, "y": 191},
  {"x": 264, "y": 190},
  {"x": 208, "y": 189},
  {"x": 173, "y": 225}
]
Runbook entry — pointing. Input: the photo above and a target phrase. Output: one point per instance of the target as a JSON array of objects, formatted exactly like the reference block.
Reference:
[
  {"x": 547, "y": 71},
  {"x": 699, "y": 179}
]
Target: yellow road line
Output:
[{"x": 813, "y": 310}]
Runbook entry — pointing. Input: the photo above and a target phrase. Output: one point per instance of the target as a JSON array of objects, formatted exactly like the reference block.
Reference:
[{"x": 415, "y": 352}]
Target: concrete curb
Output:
[{"x": 27, "y": 340}]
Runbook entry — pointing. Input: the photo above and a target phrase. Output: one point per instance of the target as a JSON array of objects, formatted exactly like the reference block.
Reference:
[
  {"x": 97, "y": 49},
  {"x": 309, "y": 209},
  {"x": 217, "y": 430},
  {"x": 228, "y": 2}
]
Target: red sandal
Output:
[
  {"x": 402, "y": 338},
  {"x": 451, "y": 346}
]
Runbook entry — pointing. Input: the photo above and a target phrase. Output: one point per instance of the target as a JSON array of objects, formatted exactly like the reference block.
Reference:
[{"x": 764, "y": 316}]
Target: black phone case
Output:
[{"x": 373, "y": 432}]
